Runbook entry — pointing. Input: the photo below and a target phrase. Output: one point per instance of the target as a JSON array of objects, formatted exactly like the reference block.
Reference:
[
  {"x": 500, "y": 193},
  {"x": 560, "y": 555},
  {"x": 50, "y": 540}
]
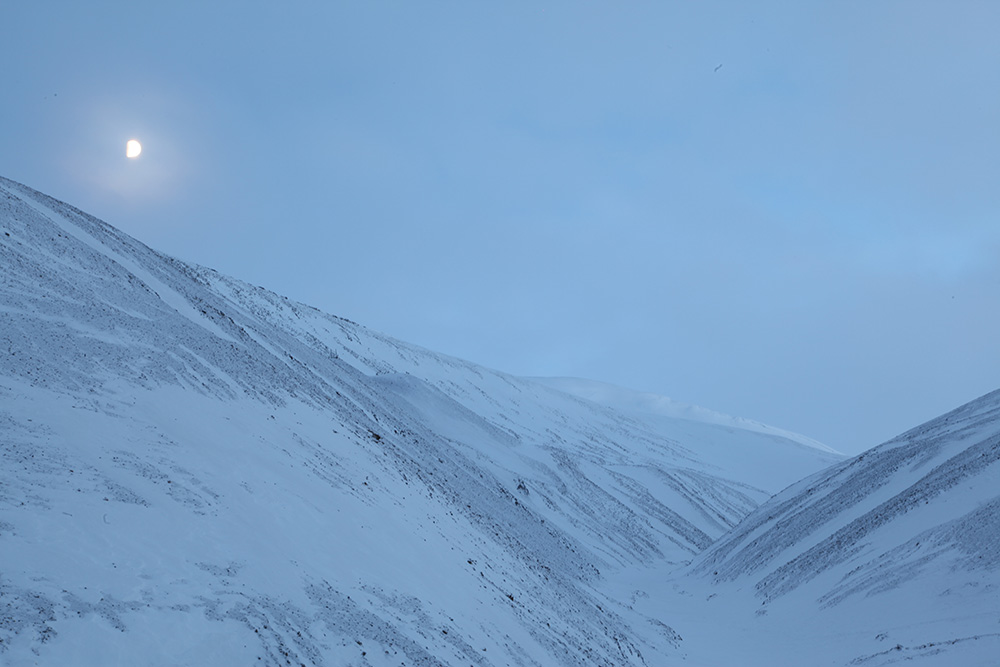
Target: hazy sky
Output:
[{"x": 787, "y": 211}]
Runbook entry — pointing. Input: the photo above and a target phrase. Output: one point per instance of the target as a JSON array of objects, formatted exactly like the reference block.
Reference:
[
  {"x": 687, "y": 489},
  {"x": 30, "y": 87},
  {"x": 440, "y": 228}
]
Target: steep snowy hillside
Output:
[
  {"x": 197, "y": 471},
  {"x": 891, "y": 556}
]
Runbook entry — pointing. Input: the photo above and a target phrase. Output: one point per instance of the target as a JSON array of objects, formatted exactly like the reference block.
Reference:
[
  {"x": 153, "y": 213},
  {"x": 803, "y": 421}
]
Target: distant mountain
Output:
[
  {"x": 629, "y": 400},
  {"x": 721, "y": 438},
  {"x": 194, "y": 470}
]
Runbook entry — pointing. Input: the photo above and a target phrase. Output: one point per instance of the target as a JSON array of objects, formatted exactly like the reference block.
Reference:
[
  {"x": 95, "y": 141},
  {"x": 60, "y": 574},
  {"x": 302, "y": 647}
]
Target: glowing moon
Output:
[{"x": 133, "y": 148}]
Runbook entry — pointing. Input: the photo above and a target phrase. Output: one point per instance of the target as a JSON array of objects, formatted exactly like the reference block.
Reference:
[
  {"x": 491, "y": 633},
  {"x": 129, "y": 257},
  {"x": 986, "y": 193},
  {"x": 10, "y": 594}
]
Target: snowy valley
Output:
[{"x": 197, "y": 471}]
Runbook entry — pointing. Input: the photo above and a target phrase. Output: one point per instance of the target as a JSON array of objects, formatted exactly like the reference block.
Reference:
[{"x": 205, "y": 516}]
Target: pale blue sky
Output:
[{"x": 787, "y": 211}]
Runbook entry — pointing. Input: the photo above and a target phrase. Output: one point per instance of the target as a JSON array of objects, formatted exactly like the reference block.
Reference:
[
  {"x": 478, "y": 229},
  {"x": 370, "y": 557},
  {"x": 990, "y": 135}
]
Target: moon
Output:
[{"x": 133, "y": 148}]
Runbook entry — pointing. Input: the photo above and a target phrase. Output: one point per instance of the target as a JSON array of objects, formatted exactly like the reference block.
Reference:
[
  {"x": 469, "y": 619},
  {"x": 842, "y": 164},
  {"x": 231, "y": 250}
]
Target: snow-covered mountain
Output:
[{"x": 197, "y": 471}]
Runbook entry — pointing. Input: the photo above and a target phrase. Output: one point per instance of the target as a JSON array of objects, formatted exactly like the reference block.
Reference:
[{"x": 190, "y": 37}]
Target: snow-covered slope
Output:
[
  {"x": 197, "y": 471},
  {"x": 194, "y": 470},
  {"x": 891, "y": 556}
]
